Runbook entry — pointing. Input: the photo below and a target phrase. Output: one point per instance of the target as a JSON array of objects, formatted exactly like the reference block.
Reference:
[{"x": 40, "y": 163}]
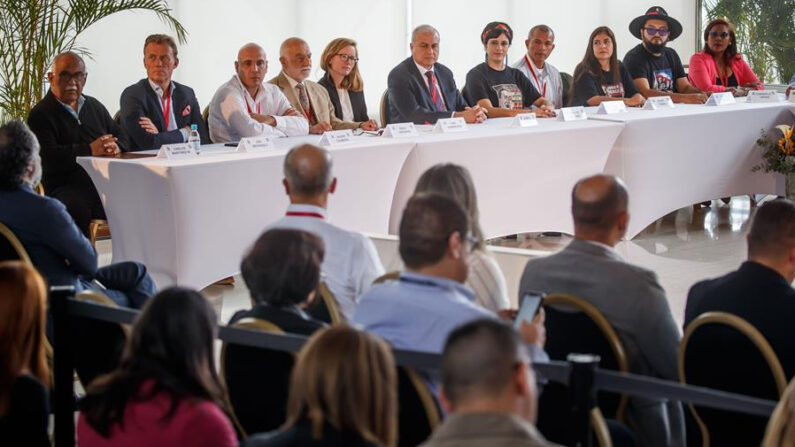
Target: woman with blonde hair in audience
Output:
[
  {"x": 485, "y": 277},
  {"x": 340, "y": 61},
  {"x": 24, "y": 371},
  {"x": 343, "y": 392},
  {"x": 781, "y": 428},
  {"x": 165, "y": 391}
]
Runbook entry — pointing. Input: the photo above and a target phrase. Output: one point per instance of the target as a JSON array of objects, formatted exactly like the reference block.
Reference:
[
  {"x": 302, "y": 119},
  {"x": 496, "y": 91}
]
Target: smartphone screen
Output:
[{"x": 528, "y": 309}]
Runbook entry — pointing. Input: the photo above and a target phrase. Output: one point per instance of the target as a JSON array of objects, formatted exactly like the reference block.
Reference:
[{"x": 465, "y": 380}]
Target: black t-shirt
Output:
[
  {"x": 661, "y": 71},
  {"x": 589, "y": 86},
  {"x": 507, "y": 89},
  {"x": 26, "y": 421}
]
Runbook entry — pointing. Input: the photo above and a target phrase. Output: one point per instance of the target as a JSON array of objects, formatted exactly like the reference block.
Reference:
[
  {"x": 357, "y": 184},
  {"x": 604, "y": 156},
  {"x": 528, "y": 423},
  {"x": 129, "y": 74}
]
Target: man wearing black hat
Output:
[{"x": 656, "y": 69}]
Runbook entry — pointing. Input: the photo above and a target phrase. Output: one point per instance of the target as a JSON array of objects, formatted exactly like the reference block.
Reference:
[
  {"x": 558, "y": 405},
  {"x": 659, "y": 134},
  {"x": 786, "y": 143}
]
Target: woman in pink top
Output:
[
  {"x": 719, "y": 67},
  {"x": 165, "y": 391}
]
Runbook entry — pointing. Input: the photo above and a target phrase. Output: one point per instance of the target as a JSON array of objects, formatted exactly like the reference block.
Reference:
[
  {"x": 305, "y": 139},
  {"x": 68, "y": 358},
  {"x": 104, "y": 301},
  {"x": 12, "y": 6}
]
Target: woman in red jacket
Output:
[{"x": 719, "y": 67}]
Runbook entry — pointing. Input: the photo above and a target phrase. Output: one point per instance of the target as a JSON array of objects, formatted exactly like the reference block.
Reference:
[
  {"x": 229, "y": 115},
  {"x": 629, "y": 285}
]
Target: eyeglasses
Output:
[
  {"x": 67, "y": 77},
  {"x": 662, "y": 32},
  {"x": 347, "y": 58},
  {"x": 715, "y": 34}
]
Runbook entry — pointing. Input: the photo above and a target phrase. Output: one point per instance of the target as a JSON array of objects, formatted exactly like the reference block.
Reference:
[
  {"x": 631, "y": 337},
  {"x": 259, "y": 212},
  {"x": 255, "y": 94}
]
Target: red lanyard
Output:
[
  {"x": 165, "y": 107},
  {"x": 304, "y": 214},
  {"x": 249, "y": 107},
  {"x": 533, "y": 72}
]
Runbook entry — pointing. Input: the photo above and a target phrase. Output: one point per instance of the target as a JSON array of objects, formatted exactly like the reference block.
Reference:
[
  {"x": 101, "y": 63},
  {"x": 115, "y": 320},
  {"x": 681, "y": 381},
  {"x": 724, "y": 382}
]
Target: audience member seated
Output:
[
  {"x": 719, "y": 67},
  {"x": 421, "y": 90},
  {"x": 655, "y": 68},
  {"x": 629, "y": 296},
  {"x": 429, "y": 300},
  {"x": 502, "y": 90},
  {"x": 351, "y": 262},
  {"x": 601, "y": 76},
  {"x": 781, "y": 428},
  {"x": 68, "y": 125},
  {"x": 282, "y": 272},
  {"x": 544, "y": 76},
  {"x": 485, "y": 277},
  {"x": 165, "y": 391},
  {"x": 245, "y": 106},
  {"x": 340, "y": 61},
  {"x": 760, "y": 291},
  {"x": 156, "y": 110},
  {"x": 24, "y": 372},
  {"x": 343, "y": 392},
  {"x": 309, "y": 98},
  {"x": 58, "y": 249},
  {"x": 488, "y": 389}
]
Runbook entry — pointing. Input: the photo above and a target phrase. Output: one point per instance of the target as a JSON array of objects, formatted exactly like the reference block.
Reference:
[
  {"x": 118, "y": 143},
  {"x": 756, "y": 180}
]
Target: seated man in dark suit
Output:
[
  {"x": 629, "y": 296},
  {"x": 282, "y": 273},
  {"x": 760, "y": 291},
  {"x": 156, "y": 110},
  {"x": 59, "y": 251},
  {"x": 68, "y": 125},
  {"x": 422, "y": 90}
]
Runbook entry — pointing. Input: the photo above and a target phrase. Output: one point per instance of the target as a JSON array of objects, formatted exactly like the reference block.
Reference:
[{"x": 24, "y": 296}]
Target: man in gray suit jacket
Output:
[{"x": 629, "y": 296}]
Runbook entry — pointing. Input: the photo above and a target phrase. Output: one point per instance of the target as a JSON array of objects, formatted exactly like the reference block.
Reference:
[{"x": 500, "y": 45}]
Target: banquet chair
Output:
[
  {"x": 724, "y": 352},
  {"x": 11, "y": 248},
  {"x": 257, "y": 380},
  {"x": 388, "y": 276},
  {"x": 565, "y": 82},
  {"x": 418, "y": 411},
  {"x": 98, "y": 229},
  {"x": 324, "y": 307},
  {"x": 383, "y": 108},
  {"x": 206, "y": 119},
  {"x": 98, "y": 344}
]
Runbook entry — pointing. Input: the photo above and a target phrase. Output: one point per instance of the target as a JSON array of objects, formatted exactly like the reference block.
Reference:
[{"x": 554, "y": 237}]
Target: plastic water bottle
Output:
[{"x": 194, "y": 138}]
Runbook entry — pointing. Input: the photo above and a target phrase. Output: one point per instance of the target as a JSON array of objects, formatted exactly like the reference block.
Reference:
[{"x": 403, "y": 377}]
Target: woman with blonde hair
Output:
[
  {"x": 340, "y": 61},
  {"x": 24, "y": 371},
  {"x": 343, "y": 392}
]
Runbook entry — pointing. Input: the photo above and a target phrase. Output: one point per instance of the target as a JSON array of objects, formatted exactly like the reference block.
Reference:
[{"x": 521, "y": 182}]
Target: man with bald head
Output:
[
  {"x": 69, "y": 124},
  {"x": 629, "y": 296},
  {"x": 351, "y": 262},
  {"x": 246, "y": 106},
  {"x": 309, "y": 98}
]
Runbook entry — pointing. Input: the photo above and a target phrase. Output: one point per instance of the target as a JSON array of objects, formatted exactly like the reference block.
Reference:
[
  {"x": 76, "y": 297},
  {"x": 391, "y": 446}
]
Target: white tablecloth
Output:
[
  {"x": 190, "y": 221},
  {"x": 677, "y": 157}
]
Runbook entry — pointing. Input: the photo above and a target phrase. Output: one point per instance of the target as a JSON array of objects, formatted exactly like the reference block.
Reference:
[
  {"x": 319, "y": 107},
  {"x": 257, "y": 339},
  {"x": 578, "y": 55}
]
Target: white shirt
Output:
[
  {"x": 549, "y": 75},
  {"x": 351, "y": 262},
  {"x": 229, "y": 113},
  {"x": 345, "y": 103},
  {"x": 487, "y": 281},
  {"x": 172, "y": 121}
]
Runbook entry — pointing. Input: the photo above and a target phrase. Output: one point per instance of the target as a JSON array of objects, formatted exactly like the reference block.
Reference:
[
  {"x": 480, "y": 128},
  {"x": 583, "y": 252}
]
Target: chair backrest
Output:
[
  {"x": 724, "y": 352},
  {"x": 257, "y": 380},
  {"x": 566, "y": 82},
  {"x": 117, "y": 117},
  {"x": 39, "y": 189},
  {"x": 418, "y": 411},
  {"x": 325, "y": 307},
  {"x": 574, "y": 325},
  {"x": 10, "y": 247},
  {"x": 384, "y": 108},
  {"x": 388, "y": 276},
  {"x": 98, "y": 344},
  {"x": 206, "y": 119}
]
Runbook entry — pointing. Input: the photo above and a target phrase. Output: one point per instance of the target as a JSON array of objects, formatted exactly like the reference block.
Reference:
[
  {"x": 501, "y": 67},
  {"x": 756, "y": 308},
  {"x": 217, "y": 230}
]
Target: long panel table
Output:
[{"x": 673, "y": 158}]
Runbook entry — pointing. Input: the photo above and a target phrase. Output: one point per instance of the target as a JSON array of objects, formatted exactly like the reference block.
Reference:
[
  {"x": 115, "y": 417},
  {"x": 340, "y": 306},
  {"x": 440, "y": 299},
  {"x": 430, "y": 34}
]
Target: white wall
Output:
[{"x": 218, "y": 29}]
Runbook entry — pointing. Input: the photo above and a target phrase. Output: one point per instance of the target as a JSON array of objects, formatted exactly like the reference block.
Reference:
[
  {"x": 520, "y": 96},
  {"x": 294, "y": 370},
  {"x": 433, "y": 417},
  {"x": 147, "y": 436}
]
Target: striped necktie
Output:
[{"x": 438, "y": 104}]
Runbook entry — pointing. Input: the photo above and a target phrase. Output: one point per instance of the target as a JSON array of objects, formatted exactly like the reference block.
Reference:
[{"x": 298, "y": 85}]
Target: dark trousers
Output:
[
  {"x": 127, "y": 283},
  {"x": 81, "y": 201}
]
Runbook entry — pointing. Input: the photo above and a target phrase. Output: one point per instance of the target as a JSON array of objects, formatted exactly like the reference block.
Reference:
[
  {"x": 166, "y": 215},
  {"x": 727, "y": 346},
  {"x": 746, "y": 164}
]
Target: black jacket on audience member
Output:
[
  {"x": 300, "y": 434},
  {"x": 357, "y": 100},
  {"x": 759, "y": 295},
  {"x": 289, "y": 319},
  {"x": 25, "y": 422}
]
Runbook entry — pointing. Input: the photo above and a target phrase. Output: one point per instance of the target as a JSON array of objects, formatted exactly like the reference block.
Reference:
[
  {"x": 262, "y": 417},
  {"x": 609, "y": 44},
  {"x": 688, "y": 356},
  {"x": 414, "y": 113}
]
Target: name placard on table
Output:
[
  {"x": 720, "y": 99},
  {"x": 400, "y": 130},
  {"x": 524, "y": 120},
  {"x": 611, "y": 107},
  {"x": 177, "y": 151},
  {"x": 573, "y": 114},
  {"x": 658, "y": 102},
  {"x": 445, "y": 125},
  {"x": 255, "y": 144},
  {"x": 336, "y": 137},
  {"x": 755, "y": 96}
]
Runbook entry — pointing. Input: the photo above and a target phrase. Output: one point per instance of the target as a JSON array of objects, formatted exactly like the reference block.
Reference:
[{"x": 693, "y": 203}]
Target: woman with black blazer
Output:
[{"x": 344, "y": 83}]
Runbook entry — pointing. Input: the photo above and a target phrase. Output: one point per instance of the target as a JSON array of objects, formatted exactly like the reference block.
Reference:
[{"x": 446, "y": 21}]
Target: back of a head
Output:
[
  {"x": 479, "y": 360},
  {"x": 307, "y": 169},
  {"x": 597, "y": 202},
  {"x": 425, "y": 227},
  {"x": 345, "y": 378},
  {"x": 772, "y": 232},
  {"x": 23, "y": 298},
  {"x": 283, "y": 267},
  {"x": 18, "y": 149}
]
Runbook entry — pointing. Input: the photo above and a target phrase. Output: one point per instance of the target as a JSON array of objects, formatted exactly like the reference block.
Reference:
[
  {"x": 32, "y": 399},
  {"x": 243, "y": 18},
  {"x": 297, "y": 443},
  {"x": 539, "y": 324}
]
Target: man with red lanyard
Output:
[
  {"x": 351, "y": 262},
  {"x": 246, "y": 106},
  {"x": 156, "y": 110},
  {"x": 543, "y": 75}
]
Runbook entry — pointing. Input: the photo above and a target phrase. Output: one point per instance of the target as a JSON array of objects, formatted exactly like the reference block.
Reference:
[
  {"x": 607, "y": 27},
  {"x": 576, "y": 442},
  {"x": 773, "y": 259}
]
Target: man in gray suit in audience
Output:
[{"x": 629, "y": 296}]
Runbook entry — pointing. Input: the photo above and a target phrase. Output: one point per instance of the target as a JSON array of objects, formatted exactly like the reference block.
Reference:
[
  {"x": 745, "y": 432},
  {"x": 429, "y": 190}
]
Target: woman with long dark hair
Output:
[
  {"x": 166, "y": 390},
  {"x": 719, "y": 67},
  {"x": 601, "y": 76}
]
